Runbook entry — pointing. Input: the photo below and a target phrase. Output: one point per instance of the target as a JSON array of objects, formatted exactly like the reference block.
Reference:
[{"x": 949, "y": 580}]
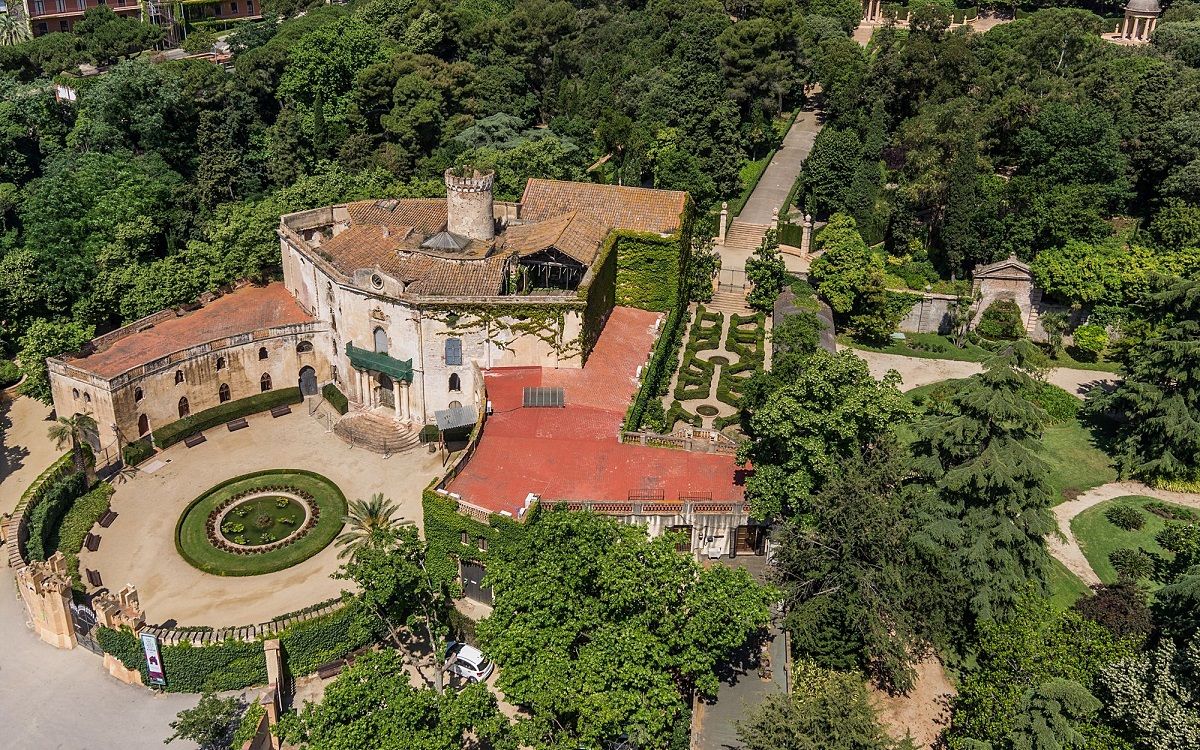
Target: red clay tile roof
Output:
[
  {"x": 638, "y": 209},
  {"x": 426, "y": 215},
  {"x": 575, "y": 233},
  {"x": 250, "y": 308}
]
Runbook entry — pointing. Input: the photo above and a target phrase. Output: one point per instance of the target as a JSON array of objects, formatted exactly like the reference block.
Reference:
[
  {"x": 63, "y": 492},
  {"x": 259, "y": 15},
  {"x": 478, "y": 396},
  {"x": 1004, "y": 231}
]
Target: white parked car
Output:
[{"x": 468, "y": 662}]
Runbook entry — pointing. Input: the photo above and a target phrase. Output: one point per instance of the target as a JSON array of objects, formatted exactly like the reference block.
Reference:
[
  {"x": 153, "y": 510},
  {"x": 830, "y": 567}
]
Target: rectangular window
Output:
[
  {"x": 233, "y": 7},
  {"x": 39, "y": 7},
  {"x": 454, "y": 351},
  {"x": 60, "y": 6},
  {"x": 63, "y": 26},
  {"x": 482, "y": 543},
  {"x": 250, "y": 7}
]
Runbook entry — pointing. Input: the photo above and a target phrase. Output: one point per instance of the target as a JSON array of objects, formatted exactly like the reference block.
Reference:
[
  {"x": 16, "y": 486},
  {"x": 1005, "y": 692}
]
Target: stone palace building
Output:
[{"x": 399, "y": 303}]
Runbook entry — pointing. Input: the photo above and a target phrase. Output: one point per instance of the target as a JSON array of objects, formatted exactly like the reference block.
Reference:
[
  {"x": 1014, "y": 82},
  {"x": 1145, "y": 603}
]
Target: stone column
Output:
[
  {"x": 398, "y": 410},
  {"x": 724, "y": 223},
  {"x": 806, "y": 236},
  {"x": 405, "y": 390}
]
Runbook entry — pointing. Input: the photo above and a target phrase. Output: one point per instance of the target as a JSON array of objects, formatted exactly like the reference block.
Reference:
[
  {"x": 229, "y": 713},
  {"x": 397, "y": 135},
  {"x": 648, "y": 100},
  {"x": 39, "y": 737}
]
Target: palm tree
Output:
[
  {"x": 364, "y": 521},
  {"x": 74, "y": 430},
  {"x": 12, "y": 30}
]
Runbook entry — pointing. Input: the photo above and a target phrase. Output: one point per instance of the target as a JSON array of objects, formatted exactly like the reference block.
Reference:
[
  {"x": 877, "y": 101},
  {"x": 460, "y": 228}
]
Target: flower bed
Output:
[{"x": 277, "y": 505}]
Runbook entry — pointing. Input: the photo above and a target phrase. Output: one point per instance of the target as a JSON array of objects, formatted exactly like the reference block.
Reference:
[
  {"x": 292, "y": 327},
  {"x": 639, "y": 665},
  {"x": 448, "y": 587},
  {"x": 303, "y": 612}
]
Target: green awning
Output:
[{"x": 364, "y": 359}]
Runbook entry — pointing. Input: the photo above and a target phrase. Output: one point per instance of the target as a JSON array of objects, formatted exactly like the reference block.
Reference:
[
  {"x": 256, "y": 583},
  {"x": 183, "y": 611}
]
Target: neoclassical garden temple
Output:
[{"x": 399, "y": 303}]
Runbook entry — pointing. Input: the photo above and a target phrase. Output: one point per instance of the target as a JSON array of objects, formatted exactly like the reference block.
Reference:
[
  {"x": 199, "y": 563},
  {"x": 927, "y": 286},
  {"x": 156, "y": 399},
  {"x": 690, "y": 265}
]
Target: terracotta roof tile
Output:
[
  {"x": 244, "y": 310},
  {"x": 617, "y": 207}
]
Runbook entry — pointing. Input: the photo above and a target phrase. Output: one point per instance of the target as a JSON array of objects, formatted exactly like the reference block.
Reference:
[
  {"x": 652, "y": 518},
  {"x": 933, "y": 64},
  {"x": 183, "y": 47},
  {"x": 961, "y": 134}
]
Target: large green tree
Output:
[{"x": 600, "y": 632}]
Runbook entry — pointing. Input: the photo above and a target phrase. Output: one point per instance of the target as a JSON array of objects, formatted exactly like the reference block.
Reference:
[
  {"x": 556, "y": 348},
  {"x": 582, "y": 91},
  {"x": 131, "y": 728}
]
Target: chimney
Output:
[{"x": 469, "y": 204}]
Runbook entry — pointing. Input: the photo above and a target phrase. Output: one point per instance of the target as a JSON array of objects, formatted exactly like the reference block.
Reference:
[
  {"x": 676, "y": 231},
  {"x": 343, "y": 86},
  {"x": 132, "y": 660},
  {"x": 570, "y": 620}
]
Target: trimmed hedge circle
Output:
[{"x": 192, "y": 531}]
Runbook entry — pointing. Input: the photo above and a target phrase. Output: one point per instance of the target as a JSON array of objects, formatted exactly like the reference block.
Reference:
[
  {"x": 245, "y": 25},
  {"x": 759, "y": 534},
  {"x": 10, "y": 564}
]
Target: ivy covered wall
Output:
[
  {"x": 649, "y": 271},
  {"x": 444, "y": 527},
  {"x": 600, "y": 295}
]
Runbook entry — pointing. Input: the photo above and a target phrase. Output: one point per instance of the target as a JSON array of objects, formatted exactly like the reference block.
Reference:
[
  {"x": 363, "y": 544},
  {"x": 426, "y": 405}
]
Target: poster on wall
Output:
[{"x": 153, "y": 660}]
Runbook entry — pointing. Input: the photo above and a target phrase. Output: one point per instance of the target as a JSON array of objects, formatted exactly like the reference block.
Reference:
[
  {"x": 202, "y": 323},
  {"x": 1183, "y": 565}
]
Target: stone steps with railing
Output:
[{"x": 378, "y": 433}]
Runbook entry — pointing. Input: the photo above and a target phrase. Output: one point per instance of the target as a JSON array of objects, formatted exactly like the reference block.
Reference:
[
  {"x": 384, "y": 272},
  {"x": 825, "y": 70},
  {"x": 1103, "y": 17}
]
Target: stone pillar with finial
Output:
[
  {"x": 724, "y": 223},
  {"x": 806, "y": 236}
]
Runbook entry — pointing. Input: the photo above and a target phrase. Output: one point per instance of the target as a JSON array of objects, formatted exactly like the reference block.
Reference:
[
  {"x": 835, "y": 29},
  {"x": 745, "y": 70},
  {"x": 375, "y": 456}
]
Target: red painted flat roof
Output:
[
  {"x": 572, "y": 453},
  {"x": 248, "y": 309}
]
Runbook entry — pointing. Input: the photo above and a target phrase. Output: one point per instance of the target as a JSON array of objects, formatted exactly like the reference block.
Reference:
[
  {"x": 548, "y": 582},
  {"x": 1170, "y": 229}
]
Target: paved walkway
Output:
[
  {"x": 139, "y": 548},
  {"x": 714, "y": 725},
  {"x": 25, "y": 451},
  {"x": 1067, "y": 549},
  {"x": 918, "y": 371},
  {"x": 64, "y": 699}
]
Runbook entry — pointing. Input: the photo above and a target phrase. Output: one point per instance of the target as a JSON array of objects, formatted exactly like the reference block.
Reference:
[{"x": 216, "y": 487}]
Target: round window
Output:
[{"x": 377, "y": 281}]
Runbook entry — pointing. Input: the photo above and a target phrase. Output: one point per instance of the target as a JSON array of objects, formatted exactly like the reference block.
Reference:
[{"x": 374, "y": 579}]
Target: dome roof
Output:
[{"x": 1143, "y": 6}]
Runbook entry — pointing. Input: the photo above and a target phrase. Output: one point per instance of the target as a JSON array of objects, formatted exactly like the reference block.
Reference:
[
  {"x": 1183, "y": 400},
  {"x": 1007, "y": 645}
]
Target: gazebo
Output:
[{"x": 1141, "y": 17}]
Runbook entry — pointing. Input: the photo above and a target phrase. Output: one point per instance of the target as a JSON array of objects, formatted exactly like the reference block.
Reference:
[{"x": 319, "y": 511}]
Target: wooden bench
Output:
[
  {"x": 93, "y": 578},
  {"x": 279, "y": 411},
  {"x": 91, "y": 542},
  {"x": 194, "y": 440},
  {"x": 107, "y": 519},
  {"x": 234, "y": 425},
  {"x": 331, "y": 669}
]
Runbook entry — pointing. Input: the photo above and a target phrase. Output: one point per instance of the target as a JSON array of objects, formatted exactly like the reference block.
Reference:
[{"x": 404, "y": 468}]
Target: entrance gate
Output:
[
  {"x": 308, "y": 381},
  {"x": 472, "y": 577},
  {"x": 85, "y": 627},
  {"x": 732, "y": 280}
]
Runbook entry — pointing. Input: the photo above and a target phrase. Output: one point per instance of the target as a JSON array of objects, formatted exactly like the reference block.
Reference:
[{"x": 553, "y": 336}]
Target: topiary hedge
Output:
[
  {"x": 1001, "y": 321},
  {"x": 45, "y": 517},
  {"x": 170, "y": 434},
  {"x": 78, "y": 521},
  {"x": 336, "y": 398},
  {"x": 136, "y": 452},
  {"x": 657, "y": 377}
]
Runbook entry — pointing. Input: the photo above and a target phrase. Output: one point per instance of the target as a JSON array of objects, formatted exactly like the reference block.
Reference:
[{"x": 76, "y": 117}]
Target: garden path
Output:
[
  {"x": 1067, "y": 548},
  {"x": 918, "y": 371},
  {"x": 25, "y": 450},
  {"x": 711, "y": 400}
]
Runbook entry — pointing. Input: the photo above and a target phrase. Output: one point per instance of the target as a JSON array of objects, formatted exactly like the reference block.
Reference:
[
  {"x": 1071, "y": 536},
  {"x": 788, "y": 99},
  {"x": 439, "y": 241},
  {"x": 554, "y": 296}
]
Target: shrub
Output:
[
  {"x": 1119, "y": 607},
  {"x": 1091, "y": 340},
  {"x": 1001, "y": 321},
  {"x": 1131, "y": 564},
  {"x": 336, "y": 398},
  {"x": 136, "y": 452},
  {"x": 1125, "y": 517},
  {"x": 198, "y": 42},
  {"x": 170, "y": 434},
  {"x": 9, "y": 373},
  {"x": 78, "y": 521},
  {"x": 44, "y": 519},
  {"x": 248, "y": 727},
  {"x": 1059, "y": 405}
]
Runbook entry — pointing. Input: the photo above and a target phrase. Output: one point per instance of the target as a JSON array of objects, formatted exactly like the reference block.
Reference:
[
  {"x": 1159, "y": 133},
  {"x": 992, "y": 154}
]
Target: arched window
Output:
[
  {"x": 455, "y": 382},
  {"x": 304, "y": 347},
  {"x": 143, "y": 425},
  {"x": 264, "y": 383},
  {"x": 137, "y": 395},
  {"x": 381, "y": 341},
  {"x": 223, "y": 392},
  {"x": 262, "y": 352},
  {"x": 455, "y": 404},
  {"x": 184, "y": 408},
  {"x": 87, "y": 397},
  {"x": 178, "y": 377},
  {"x": 75, "y": 393},
  {"x": 220, "y": 363},
  {"x": 454, "y": 351}
]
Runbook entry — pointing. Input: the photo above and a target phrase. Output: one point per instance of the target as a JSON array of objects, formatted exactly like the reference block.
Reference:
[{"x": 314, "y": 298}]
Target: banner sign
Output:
[{"x": 153, "y": 659}]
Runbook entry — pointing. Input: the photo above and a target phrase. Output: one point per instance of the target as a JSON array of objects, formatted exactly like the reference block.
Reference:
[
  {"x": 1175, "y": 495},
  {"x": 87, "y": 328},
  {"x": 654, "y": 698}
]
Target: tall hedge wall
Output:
[
  {"x": 218, "y": 415},
  {"x": 650, "y": 270},
  {"x": 45, "y": 517},
  {"x": 600, "y": 295}
]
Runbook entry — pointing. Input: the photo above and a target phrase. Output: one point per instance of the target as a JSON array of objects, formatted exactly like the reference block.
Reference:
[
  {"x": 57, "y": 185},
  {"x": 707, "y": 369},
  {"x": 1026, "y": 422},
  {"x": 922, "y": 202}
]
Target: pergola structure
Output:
[{"x": 1141, "y": 18}]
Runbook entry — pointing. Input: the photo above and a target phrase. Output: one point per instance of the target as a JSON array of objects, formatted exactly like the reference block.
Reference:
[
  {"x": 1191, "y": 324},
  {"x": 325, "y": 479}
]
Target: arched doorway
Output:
[
  {"x": 384, "y": 395},
  {"x": 143, "y": 425},
  {"x": 308, "y": 381},
  {"x": 184, "y": 408}
]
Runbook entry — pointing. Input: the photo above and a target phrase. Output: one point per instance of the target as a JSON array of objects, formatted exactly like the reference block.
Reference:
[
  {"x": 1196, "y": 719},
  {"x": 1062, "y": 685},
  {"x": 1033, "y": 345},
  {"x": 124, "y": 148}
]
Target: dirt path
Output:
[
  {"x": 918, "y": 371},
  {"x": 1067, "y": 549},
  {"x": 25, "y": 450},
  {"x": 924, "y": 712}
]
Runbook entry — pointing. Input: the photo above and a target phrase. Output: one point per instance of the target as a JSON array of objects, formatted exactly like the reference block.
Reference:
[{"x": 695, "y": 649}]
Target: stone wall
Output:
[{"x": 930, "y": 315}]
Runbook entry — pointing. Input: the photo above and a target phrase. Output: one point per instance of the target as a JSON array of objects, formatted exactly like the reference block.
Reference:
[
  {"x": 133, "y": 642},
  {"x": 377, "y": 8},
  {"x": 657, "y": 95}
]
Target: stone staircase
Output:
[
  {"x": 378, "y": 433},
  {"x": 741, "y": 239},
  {"x": 728, "y": 302},
  {"x": 1035, "y": 315}
]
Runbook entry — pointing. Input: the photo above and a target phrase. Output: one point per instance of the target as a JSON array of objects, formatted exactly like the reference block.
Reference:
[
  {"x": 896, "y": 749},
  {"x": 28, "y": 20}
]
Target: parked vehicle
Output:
[{"x": 468, "y": 662}]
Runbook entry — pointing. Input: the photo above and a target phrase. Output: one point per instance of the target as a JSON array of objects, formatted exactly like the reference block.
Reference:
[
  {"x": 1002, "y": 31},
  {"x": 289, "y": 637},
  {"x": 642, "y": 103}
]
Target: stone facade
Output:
[{"x": 45, "y": 589}]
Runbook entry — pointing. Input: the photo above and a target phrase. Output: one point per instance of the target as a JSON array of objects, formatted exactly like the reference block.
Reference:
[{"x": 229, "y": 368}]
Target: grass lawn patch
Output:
[
  {"x": 191, "y": 537},
  {"x": 1065, "y": 586},
  {"x": 1099, "y": 537},
  {"x": 1076, "y": 462},
  {"x": 924, "y": 346}
]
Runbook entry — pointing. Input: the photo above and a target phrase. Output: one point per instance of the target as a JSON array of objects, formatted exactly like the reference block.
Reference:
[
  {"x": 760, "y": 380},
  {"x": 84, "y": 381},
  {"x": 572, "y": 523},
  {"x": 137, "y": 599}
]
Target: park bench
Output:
[
  {"x": 93, "y": 578},
  {"x": 237, "y": 424},
  {"x": 107, "y": 519},
  {"x": 331, "y": 669},
  {"x": 279, "y": 411},
  {"x": 91, "y": 542},
  {"x": 194, "y": 440}
]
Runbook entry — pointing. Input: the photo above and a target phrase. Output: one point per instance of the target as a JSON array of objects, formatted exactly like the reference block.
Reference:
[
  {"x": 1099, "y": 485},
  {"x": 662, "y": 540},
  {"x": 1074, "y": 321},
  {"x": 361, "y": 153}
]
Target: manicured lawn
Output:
[
  {"x": 191, "y": 539},
  {"x": 1098, "y": 537},
  {"x": 1065, "y": 586},
  {"x": 1076, "y": 463},
  {"x": 936, "y": 346}
]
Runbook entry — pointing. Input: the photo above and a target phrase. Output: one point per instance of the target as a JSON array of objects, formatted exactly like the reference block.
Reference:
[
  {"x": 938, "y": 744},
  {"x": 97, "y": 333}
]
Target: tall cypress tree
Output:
[
  {"x": 988, "y": 531},
  {"x": 957, "y": 231}
]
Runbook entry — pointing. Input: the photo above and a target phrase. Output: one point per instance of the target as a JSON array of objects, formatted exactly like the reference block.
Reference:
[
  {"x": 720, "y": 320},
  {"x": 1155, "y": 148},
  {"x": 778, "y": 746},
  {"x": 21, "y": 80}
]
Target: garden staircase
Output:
[
  {"x": 741, "y": 240},
  {"x": 1035, "y": 317},
  {"x": 728, "y": 302},
  {"x": 378, "y": 433}
]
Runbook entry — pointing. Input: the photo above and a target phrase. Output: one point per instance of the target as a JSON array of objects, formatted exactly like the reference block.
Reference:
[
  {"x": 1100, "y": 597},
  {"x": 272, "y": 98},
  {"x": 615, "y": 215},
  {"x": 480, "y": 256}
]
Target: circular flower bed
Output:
[
  {"x": 705, "y": 410},
  {"x": 260, "y": 523}
]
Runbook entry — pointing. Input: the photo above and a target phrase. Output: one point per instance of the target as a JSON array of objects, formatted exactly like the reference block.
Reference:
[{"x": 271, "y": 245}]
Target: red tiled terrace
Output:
[{"x": 572, "y": 453}]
